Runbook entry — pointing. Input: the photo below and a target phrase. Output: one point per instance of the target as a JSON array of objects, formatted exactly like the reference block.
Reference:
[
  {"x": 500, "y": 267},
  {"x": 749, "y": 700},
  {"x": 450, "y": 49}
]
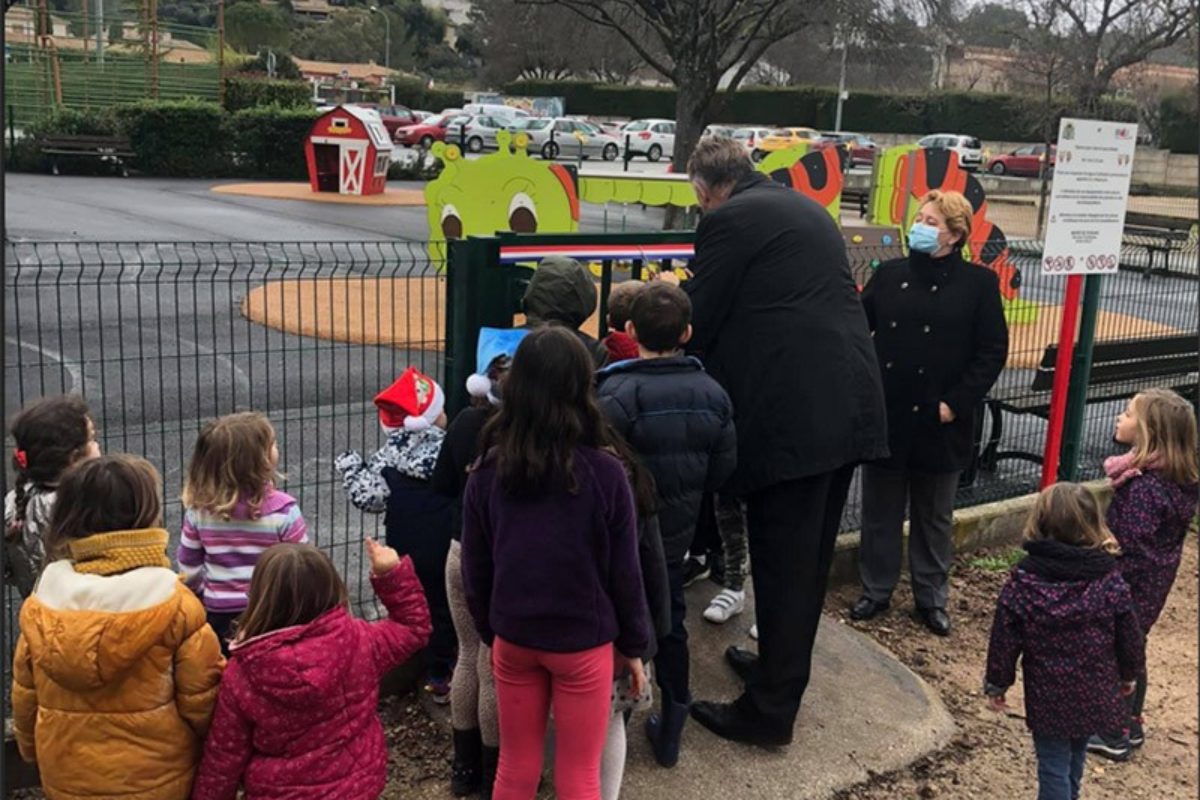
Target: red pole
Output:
[{"x": 1062, "y": 380}]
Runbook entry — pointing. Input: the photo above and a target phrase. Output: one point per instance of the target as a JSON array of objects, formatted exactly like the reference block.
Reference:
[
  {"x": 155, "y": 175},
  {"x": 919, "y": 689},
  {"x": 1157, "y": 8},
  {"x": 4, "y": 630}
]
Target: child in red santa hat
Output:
[{"x": 395, "y": 482}]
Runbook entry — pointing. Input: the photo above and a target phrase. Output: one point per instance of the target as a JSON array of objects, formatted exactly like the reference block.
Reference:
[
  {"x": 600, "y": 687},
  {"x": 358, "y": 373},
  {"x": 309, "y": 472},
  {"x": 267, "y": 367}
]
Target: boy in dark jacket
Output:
[
  {"x": 1068, "y": 615},
  {"x": 395, "y": 481},
  {"x": 680, "y": 422}
]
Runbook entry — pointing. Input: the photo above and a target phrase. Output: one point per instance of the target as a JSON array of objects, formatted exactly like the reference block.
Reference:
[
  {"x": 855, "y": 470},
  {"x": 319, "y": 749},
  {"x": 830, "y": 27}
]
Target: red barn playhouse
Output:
[{"x": 348, "y": 151}]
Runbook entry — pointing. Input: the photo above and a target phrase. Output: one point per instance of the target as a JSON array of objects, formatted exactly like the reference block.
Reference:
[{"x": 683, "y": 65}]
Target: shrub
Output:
[
  {"x": 285, "y": 67},
  {"x": 414, "y": 93},
  {"x": 25, "y": 155},
  {"x": 180, "y": 138},
  {"x": 1180, "y": 123},
  {"x": 249, "y": 91},
  {"x": 268, "y": 142}
]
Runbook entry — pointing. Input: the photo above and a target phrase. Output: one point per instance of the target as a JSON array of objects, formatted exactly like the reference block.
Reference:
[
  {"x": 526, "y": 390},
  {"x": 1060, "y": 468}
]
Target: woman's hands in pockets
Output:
[{"x": 946, "y": 414}]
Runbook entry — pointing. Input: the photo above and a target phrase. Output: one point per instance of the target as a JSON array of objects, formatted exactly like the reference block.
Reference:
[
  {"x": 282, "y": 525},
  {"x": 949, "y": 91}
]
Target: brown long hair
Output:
[
  {"x": 231, "y": 462},
  {"x": 1166, "y": 435},
  {"x": 549, "y": 409},
  {"x": 52, "y": 433},
  {"x": 1069, "y": 513},
  {"x": 110, "y": 493},
  {"x": 292, "y": 584}
]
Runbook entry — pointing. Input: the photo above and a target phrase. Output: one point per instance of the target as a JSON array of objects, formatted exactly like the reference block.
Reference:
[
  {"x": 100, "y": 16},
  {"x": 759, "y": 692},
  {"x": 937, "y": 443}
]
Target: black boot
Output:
[
  {"x": 491, "y": 760},
  {"x": 466, "y": 768},
  {"x": 665, "y": 729}
]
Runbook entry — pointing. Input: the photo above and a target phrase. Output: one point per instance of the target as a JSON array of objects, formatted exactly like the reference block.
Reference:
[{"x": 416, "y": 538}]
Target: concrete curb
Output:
[{"x": 975, "y": 528}]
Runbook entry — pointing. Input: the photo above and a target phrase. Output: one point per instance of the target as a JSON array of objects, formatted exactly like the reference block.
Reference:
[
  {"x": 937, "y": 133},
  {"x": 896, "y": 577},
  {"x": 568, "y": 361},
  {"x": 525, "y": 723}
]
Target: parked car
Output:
[
  {"x": 551, "y": 137},
  {"x": 422, "y": 115},
  {"x": 719, "y": 131},
  {"x": 749, "y": 137},
  {"x": 1025, "y": 161},
  {"x": 426, "y": 132},
  {"x": 652, "y": 138},
  {"x": 495, "y": 110},
  {"x": 476, "y": 134},
  {"x": 782, "y": 139},
  {"x": 862, "y": 148},
  {"x": 968, "y": 148},
  {"x": 396, "y": 117}
]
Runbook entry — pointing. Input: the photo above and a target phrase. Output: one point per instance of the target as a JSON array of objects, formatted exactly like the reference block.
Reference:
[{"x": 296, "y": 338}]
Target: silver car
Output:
[
  {"x": 552, "y": 137},
  {"x": 476, "y": 134}
]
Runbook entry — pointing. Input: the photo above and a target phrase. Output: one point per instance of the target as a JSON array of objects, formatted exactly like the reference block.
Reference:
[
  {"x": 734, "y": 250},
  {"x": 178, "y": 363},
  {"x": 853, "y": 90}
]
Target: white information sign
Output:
[{"x": 1092, "y": 169}]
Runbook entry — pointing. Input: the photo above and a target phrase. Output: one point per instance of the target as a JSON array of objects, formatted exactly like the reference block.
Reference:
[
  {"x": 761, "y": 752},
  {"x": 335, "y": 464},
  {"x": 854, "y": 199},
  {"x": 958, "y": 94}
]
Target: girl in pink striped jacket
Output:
[{"x": 233, "y": 514}]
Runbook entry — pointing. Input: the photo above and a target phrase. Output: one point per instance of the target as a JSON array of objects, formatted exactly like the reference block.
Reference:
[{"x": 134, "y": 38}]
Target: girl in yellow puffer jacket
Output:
[{"x": 116, "y": 670}]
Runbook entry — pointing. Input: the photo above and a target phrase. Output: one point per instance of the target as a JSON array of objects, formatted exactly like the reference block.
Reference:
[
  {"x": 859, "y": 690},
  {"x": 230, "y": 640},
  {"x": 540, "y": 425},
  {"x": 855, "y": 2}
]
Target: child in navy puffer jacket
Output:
[
  {"x": 1155, "y": 492},
  {"x": 1067, "y": 613}
]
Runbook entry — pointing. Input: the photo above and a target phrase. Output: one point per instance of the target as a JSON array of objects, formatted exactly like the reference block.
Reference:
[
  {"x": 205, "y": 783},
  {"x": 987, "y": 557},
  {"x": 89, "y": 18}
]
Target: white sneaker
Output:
[
  {"x": 754, "y": 631},
  {"x": 726, "y": 605}
]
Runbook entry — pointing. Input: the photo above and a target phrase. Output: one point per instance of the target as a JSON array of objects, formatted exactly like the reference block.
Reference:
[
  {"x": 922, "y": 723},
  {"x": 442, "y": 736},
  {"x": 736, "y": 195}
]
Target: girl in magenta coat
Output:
[{"x": 296, "y": 716}]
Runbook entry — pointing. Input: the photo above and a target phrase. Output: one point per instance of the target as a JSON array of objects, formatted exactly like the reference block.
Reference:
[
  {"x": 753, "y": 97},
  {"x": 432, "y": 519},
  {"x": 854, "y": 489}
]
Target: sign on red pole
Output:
[
  {"x": 1093, "y": 164},
  {"x": 1062, "y": 380}
]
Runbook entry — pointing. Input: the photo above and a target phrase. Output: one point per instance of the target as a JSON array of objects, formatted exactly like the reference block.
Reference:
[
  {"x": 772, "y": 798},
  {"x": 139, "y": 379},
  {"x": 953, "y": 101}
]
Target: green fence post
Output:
[{"x": 1081, "y": 370}]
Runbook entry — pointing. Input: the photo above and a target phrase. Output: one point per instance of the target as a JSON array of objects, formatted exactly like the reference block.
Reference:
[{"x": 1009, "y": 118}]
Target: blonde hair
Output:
[
  {"x": 955, "y": 208},
  {"x": 1069, "y": 513},
  {"x": 1166, "y": 435},
  {"x": 231, "y": 462}
]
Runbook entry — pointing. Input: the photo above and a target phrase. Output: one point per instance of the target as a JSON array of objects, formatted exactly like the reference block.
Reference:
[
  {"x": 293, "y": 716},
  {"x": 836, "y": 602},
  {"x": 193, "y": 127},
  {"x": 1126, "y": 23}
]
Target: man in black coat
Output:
[{"x": 779, "y": 323}]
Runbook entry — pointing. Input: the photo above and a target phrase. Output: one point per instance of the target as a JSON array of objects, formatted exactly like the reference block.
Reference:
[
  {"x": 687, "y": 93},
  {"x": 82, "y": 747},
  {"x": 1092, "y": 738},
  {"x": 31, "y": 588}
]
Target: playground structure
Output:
[{"x": 348, "y": 151}]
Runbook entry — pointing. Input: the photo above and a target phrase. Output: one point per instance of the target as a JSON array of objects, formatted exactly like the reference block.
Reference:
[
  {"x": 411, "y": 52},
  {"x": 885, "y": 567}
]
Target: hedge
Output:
[
  {"x": 248, "y": 91},
  {"x": 988, "y": 116},
  {"x": 269, "y": 142},
  {"x": 414, "y": 93},
  {"x": 181, "y": 138},
  {"x": 1179, "y": 120}
]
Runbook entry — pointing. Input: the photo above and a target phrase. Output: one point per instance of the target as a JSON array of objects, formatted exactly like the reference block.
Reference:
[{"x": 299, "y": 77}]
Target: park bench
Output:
[
  {"x": 857, "y": 198},
  {"x": 113, "y": 149},
  {"x": 1120, "y": 369},
  {"x": 1160, "y": 235}
]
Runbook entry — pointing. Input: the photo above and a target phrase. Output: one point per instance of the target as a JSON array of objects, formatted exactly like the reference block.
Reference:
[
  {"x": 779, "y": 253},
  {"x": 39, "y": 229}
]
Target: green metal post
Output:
[{"x": 1081, "y": 370}]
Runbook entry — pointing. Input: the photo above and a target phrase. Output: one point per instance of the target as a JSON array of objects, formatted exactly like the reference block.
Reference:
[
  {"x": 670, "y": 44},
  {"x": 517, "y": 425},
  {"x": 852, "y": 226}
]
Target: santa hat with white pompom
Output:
[
  {"x": 494, "y": 343},
  {"x": 414, "y": 402}
]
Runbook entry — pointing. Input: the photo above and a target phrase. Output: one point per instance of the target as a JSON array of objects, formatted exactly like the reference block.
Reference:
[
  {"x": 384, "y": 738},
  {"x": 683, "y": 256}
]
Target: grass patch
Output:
[{"x": 997, "y": 562}]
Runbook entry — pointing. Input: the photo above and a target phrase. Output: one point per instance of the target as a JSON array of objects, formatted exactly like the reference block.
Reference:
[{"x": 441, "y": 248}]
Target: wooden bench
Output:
[
  {"x": 860, "y": 198},
  {"x": 114, "y": 149},
  {"x": 1120, "y": 369},
  {"x": 1159, "y": 234}
]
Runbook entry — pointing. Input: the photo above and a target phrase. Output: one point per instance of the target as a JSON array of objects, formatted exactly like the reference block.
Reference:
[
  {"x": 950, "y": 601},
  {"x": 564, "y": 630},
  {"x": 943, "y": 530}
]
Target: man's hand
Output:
[
  {"x": 945, "y": 413},
  {"x": 637, "y": 678},
  {"x": 996, "y": 703},
  {"x": 383, "y": 558},
  {"x": 1128, "y": 688}
]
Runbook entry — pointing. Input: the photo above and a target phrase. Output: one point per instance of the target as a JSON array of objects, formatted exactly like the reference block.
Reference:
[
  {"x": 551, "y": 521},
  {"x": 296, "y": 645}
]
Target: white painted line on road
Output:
[
  {"x": 73, "y": 368},
  {"x": 243, "y": 382}
]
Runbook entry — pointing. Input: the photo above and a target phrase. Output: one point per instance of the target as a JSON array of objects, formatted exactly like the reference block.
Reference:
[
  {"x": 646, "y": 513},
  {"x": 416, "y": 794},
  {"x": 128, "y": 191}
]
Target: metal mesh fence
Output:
[{"x": 160, "y": 337}]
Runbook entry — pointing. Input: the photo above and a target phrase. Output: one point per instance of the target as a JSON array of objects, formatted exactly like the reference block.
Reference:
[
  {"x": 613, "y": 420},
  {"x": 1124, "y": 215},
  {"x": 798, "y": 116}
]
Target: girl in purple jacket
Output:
[
  {"x": 1067, "y": 613},
  {"x": 1155, "y": 491}
]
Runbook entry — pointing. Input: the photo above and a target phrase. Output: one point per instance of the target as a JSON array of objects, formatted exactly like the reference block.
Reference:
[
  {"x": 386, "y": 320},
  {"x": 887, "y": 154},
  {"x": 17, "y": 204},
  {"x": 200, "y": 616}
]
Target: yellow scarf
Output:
[{"x": 120, "y": 551}]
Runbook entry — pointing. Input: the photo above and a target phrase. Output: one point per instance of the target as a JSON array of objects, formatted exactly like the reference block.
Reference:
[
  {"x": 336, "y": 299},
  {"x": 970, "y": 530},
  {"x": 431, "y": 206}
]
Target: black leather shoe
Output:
[
  {"x": 742, "y": 660},
  {"x": 936, "y": 619},
  {"x": 866, "y": 608},
  {"x": 730, "y": 722}
]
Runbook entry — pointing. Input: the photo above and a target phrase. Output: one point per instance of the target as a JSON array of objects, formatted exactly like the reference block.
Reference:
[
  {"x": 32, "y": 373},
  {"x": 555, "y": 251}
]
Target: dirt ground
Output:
[{"x": 992, "y": 755}]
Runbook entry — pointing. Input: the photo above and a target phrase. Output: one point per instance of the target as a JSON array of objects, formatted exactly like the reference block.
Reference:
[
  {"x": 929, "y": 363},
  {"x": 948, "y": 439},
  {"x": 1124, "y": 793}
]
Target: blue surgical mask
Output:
[{"x": 923, "y": 238}]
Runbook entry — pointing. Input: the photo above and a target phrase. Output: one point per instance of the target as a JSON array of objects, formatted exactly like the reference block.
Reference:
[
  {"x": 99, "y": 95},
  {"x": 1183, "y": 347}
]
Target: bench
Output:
[
  {"x": 1159, "y": 234},
  {"x": 860, "y": 198},
  {"x": 114, "y": 149},
  {"x": 1120, "y": 369}
]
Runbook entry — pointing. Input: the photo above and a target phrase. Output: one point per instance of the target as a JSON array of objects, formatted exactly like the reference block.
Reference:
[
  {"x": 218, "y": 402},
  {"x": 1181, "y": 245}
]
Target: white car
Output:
[
  {"x": 652, "y": 138},
  {"x": 552, "y": 137},
  {"x": 968, "y": 148},
  {"x": 750, "y": 137}
]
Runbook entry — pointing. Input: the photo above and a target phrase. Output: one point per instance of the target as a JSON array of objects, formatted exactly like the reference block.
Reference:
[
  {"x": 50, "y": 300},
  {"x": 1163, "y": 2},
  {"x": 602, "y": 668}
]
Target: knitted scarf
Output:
[
  {"x": 1120, "y": 469},
  {"x": 1059, "y": 562},
  {"x": 120, "y": 551}
]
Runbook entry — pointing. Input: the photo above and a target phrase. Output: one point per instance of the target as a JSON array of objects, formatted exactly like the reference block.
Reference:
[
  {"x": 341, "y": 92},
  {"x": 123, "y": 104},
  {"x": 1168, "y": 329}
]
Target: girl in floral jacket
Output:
[
  {"x": 1155, "y": 491},
  {"x": 1067, "y": 613}
]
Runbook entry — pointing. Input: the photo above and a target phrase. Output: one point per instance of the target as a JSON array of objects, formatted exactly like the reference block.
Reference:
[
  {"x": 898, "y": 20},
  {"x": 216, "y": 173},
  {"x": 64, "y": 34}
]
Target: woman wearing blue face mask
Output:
[{"x": 941, "y": 339}]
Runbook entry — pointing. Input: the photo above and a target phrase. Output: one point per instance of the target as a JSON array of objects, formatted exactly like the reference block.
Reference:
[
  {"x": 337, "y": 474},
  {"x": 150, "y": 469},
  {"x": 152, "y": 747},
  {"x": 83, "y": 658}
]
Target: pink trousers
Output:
[{"x": 578, "y": 686}]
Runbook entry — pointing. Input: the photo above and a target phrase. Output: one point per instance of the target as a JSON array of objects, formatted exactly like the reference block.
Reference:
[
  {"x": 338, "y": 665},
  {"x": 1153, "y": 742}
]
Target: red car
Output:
[
  {"x": 395, "y": 117},
  {"x": 862, "y": 148},
  {"x": 426, "y": 132},
  {"x": 1025, "y": 161}
]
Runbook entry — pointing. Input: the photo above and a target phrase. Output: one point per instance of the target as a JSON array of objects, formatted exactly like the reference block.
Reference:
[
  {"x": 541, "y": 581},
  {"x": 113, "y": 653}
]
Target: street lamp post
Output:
[{"x": 387, "y": 38}]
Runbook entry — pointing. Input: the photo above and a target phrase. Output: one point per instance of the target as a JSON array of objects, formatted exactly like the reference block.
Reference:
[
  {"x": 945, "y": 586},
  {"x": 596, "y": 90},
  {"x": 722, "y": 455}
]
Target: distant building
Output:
[
  {"x": 995, "y": 69},
  {"x": 458, "y": 13},
  {"x": 313, "y": 9},
  {"x": 321, "y": 72}
]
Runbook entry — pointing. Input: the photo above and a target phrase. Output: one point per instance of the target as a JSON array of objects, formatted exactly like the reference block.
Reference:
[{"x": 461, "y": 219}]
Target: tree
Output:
[
  {"x": 1106, "y": 36},
  {"x": 249, "y": 26},
  {"x": 353, "y": 37},
  {"x": 992, "y": 25},
  {"x": 695, "y": 45}
]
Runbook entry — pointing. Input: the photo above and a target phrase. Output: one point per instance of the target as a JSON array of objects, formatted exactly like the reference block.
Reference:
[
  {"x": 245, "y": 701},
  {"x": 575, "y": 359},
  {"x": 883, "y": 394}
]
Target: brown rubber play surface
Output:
[
  {"x": 1027, "y": 342},
  {"x": 302, "y": 191}
]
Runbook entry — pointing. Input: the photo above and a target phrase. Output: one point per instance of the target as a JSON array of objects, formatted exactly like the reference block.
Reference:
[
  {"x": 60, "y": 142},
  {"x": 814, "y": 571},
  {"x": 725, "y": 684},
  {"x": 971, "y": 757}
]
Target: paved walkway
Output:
[{"x": 863, "y": 712}]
